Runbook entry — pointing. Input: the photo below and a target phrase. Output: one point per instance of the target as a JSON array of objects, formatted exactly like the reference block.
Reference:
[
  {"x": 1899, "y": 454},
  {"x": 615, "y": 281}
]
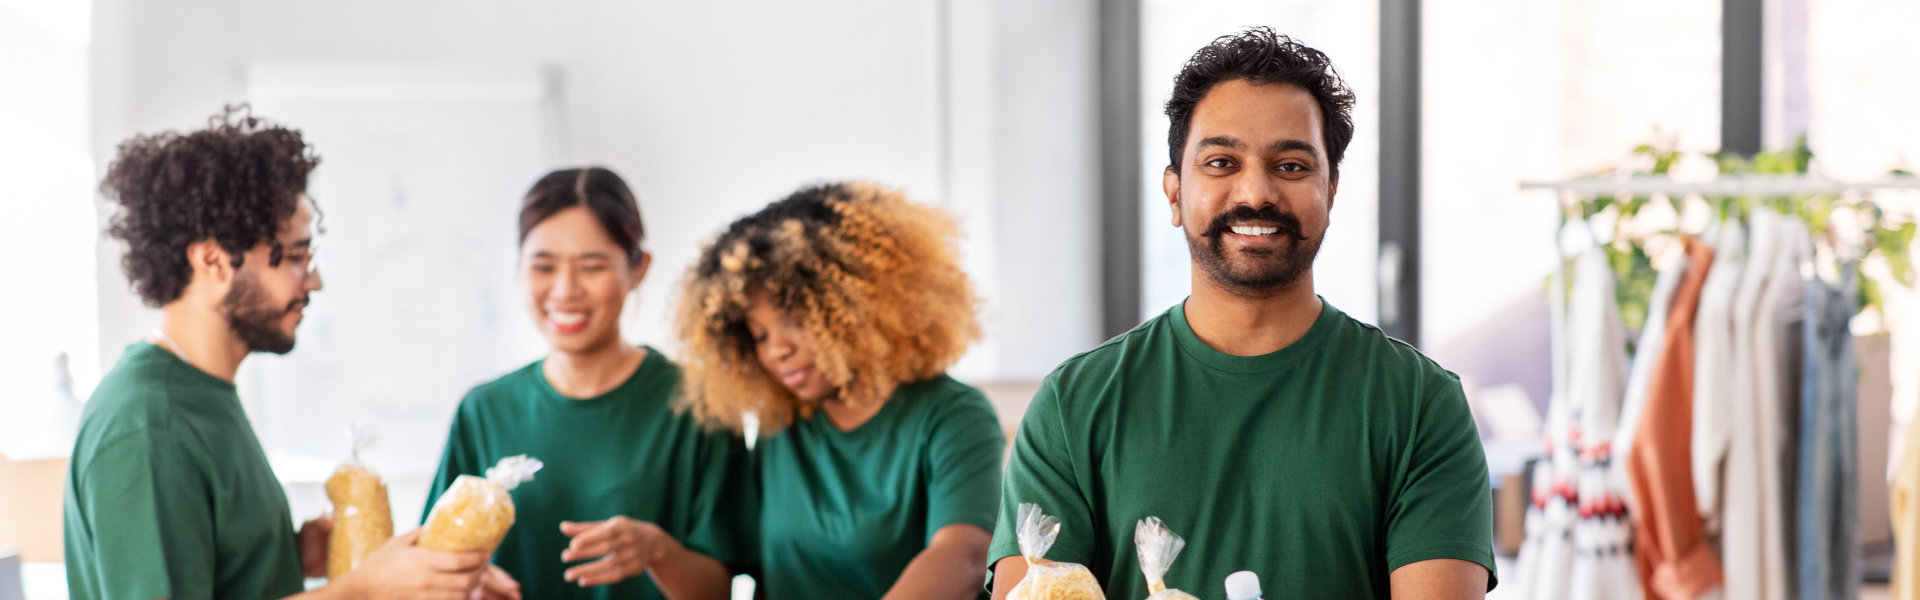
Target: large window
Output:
[
  {"x": 49, "y": 352},
  {"x": 1516, "y": 90}
]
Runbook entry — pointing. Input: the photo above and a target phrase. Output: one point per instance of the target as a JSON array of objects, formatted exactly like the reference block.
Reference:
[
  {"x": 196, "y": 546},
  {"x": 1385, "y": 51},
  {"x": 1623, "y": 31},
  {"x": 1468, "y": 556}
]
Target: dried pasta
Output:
[
  {"x": 1036, "y": 533},
  {"x": 474, "y": 514}
]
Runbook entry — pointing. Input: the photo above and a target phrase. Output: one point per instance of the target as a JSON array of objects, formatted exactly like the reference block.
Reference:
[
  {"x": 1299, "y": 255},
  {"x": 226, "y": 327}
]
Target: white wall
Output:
[{"x": 710, "y": 110}]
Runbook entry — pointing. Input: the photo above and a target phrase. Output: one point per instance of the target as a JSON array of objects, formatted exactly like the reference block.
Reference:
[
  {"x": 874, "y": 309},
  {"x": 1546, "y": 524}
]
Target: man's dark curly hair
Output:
[
  {"x": 1260, "y": 56},
  {"x": 234, "y": 182}
]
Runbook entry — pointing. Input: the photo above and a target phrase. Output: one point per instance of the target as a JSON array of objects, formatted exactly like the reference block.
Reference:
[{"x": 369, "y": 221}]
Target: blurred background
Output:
[{"x": 1038, "y": 122}]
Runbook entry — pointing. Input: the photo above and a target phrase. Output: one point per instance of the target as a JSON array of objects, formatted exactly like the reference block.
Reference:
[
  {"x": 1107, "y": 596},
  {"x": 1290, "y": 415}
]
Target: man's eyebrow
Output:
[
  {"x": 1221, "y": 140},
  {"x": 1288, "y": 145}
]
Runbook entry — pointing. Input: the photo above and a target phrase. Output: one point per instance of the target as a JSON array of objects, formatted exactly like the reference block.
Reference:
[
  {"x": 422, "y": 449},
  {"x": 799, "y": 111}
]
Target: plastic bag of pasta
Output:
[
  {"x": 1050, "y": 581},
  {"x": 362, "y": 520},
  {"x": 473, "y": 515},
  {"x": 1158, "y": 546}
]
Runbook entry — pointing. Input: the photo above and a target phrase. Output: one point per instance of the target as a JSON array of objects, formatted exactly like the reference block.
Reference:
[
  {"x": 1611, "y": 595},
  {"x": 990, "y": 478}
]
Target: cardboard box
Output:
[{"x": 31, "y": 509}]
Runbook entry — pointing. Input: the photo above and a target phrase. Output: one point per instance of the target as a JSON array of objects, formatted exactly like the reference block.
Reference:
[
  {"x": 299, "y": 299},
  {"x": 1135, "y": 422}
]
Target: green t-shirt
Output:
[
  {"x": 1321, "y": 467},
  {"x": 169, "y": 494},
  {"x": 625, "y": 452},
  {"x": 845, "y": 511}
]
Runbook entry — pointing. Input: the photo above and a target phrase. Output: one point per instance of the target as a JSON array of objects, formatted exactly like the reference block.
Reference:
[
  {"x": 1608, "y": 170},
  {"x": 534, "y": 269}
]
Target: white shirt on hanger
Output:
[
  {"x": 1712, "y": 353},
  {"x": 1743, "y": 531},
  {"x": 1597, "y": 378}
]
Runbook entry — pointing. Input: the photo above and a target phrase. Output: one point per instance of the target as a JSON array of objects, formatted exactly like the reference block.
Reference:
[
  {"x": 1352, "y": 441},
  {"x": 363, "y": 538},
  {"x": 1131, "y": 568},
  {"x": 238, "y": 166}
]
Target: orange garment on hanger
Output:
[{"x": 1670, "y": 543}]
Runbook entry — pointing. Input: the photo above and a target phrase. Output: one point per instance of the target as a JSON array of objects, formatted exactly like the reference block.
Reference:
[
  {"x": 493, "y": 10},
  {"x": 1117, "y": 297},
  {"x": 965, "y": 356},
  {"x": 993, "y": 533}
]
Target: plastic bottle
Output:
[{"x": 1243, "y": 585}]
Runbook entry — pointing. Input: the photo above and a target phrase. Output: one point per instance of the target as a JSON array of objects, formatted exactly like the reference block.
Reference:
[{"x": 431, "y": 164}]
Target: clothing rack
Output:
[
  {"x": 1582, "y": 543},
  {"x": 1725, "y": 185}
]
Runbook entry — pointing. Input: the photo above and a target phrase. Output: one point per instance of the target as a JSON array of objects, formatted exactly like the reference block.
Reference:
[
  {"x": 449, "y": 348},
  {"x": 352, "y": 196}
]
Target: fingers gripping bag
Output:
[
  {"x": 362, "y": 520},
  {"x": 474, "y": 513},
  {"x": 1051, "y": 581},
  {"x": 1158, "y": 546}
]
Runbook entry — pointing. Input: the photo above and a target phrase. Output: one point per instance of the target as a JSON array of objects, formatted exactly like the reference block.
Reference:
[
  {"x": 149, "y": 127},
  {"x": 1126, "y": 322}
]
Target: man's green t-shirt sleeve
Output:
[
  {"x": 146, "y": 503},
  {"x": 964, "y": 452},
  {"x": 1042, "y": 472},
  {"x": 1442, "y": 505}
]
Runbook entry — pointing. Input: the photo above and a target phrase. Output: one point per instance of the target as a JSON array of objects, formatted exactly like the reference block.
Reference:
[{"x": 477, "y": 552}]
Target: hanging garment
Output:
[
  {"x": 1675, "y": 561},
  {"x": 1648, "y": 353},
  {"x": 1742, "y": 516},
  {"x": 1828, "y": 477},
  {"x": 1597, "y": 378},
  {"x": 1712, "y": 355},
  {"x": 1900, "y": 309},
  {"x": 1594, "y": 379},
  {"x": 1903, "y": 325},
  {"x": 1906, "y": 518},
  {"x": 1545, "y": 560},
  {"x": 1775, "y": 352}
]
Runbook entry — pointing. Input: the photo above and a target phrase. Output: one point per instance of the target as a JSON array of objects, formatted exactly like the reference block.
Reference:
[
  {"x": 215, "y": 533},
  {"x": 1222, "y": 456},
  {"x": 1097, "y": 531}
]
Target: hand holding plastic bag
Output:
[{"x": 474, "y": 514}]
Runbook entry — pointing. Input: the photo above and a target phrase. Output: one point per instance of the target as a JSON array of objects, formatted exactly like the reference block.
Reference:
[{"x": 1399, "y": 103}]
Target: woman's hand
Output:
[
  {"x": 496, "y": 584},
  {"x": 625, "y": 547}
]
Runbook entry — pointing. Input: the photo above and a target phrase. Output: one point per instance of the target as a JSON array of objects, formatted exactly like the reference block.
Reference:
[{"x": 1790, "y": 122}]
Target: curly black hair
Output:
[
  {"x": 234, "y": 182},
  {"x": 1260, "y": 56}
]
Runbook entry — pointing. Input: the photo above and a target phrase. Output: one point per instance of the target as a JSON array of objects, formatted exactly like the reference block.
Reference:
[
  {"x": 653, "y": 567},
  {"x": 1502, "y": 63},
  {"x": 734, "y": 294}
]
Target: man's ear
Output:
[
  {"x": 1170, "y": 184},
  {"x": 1333, "y": 191},
  {"x": 210, "y": 262},
  {"x": 210, "y": 258}
]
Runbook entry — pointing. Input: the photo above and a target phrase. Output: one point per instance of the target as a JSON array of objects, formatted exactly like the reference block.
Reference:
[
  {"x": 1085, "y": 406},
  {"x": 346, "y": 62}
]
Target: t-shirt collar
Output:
[
  {"x": 1277, "y": 360},
  {"x": 647, "y": 364}
]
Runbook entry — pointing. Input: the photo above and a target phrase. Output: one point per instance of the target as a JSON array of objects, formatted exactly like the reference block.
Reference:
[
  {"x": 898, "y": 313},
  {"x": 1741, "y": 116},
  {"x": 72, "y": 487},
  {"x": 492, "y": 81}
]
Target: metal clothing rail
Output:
[{"x": 1730, "y": 185}]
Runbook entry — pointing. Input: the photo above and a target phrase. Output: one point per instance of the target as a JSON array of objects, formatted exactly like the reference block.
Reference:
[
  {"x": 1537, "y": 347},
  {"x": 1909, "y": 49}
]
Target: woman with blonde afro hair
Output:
[{"x": 831, "y": 316}]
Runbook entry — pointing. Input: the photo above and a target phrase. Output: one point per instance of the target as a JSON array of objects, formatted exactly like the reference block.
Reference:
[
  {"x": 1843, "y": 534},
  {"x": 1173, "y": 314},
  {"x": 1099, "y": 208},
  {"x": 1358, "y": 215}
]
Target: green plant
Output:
[{"x": 1887, "y": 238}]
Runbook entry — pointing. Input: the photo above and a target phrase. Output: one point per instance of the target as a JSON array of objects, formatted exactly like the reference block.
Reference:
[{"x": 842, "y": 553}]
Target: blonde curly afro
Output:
[{"x": 872, "y": 279}]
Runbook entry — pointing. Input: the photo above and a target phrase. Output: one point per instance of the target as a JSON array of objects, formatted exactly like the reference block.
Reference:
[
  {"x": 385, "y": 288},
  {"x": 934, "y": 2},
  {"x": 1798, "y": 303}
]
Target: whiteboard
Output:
[{"x": 422, "y": 169}]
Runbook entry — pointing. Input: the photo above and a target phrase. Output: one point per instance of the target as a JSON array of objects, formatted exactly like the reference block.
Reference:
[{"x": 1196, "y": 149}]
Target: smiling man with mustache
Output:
[{"x": 1268, "y": 428}]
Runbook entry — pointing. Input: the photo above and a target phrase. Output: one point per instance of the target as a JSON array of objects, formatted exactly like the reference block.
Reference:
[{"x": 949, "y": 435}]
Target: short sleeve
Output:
[
  {"x": 1441, "y": 505},
  {"x": 964, "y": 452},
  {"x": 459, "y": 458},
  {"x": 721, "y": 499},
  {"x": 146, "y": 501},
  {"x": 1043, "y": 471}
]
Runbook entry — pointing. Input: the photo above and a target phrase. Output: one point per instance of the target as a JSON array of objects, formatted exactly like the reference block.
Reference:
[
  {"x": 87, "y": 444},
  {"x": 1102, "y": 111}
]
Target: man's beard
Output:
[
  {"x": 258, "y": 326},
  {"x": 1256, "y": 269}
]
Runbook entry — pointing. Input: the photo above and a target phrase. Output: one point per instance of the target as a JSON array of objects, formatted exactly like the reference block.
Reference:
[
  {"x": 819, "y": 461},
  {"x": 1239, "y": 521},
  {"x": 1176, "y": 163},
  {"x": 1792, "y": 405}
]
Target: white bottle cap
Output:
[{"x": 1243, "y": 585}]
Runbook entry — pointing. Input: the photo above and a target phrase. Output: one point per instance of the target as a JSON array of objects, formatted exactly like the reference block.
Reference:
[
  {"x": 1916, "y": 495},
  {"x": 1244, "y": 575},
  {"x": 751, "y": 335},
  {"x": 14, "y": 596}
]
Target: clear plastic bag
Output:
[
  {"x": 1053, "y": 581},
  {"x": 474, "y": 514},
  {"x": 1158, "y": 546},
  {"x": 362, "y": 519}
]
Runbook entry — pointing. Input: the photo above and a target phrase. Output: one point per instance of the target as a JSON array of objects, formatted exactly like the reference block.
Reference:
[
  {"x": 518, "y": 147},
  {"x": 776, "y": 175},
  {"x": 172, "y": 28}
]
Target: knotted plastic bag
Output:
[
  {"x": 362, "y": 519},
  {"x": 474, "y": 513},
  {"x": 1158, "y": 546},
  {"x": 1052, "y": 581}
]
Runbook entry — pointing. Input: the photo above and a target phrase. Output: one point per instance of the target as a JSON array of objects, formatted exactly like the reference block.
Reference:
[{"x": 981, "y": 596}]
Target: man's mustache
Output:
[{"x": 1268, "y": 213}]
